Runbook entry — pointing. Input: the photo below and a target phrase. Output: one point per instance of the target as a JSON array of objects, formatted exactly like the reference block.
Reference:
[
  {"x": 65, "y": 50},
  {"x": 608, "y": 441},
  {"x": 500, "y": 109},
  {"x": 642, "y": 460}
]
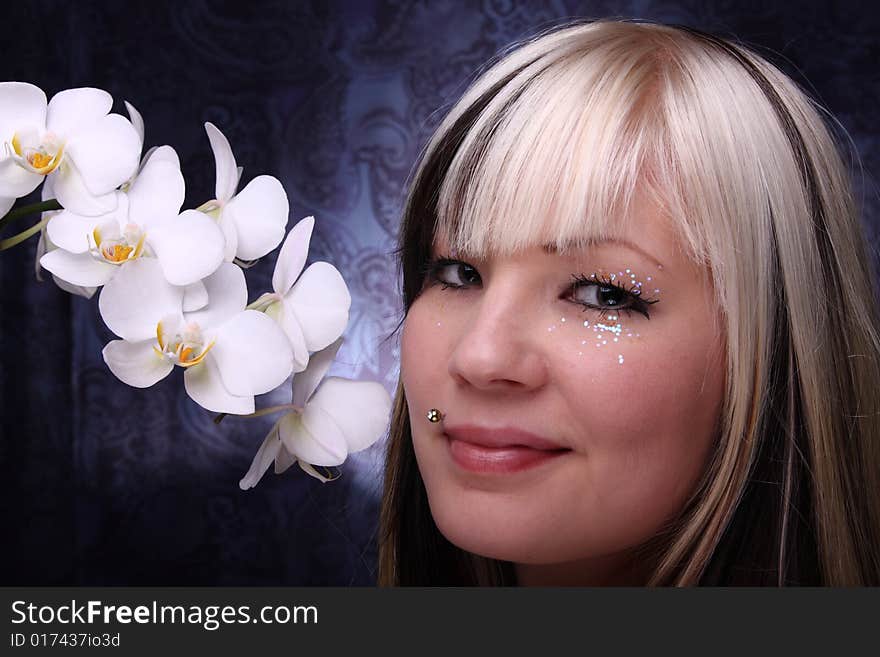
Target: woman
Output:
[{"x": 641, "y": 339}]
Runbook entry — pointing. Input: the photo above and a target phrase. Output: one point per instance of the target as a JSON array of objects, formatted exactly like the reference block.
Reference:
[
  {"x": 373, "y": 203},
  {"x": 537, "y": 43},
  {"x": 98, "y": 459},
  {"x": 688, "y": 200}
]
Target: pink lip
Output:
[{"x": 501, "y": 450}]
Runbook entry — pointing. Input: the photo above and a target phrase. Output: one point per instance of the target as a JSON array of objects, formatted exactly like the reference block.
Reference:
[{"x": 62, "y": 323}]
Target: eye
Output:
[
  {"x": 451, "y": 273},
  {"x": 604, "y": 295}
]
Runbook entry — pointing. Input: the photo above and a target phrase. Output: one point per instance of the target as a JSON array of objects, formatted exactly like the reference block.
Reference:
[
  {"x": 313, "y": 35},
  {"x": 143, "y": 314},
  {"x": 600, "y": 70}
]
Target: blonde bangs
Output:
[{"x": 557, "y": 155}]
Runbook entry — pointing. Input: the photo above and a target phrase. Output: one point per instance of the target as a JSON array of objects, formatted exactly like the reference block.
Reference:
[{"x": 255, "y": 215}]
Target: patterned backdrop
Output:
[{"x": 108, "y": 485}]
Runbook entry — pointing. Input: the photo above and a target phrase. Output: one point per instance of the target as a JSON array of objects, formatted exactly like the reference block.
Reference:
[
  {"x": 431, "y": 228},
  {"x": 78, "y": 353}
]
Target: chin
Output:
[{"x": 493, "y": 534}]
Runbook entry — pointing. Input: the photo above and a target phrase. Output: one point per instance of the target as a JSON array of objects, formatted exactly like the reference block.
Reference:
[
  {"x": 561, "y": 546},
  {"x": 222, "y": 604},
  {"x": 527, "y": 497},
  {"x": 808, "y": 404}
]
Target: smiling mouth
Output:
[{"x": 499, "y": 460}]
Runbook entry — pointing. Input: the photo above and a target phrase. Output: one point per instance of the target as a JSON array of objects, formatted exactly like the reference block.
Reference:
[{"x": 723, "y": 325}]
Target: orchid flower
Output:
[
  {"x": 252, "y": 221},
  {"x": 6, "y": 203},
  {"x": 145, "y": 222},
  {"x": 73, "y": 138},
  {"x": 229, "y": 354},
  {"x": 45, "y": 244},
  {"x": 311, "y": 308},
  {"x": 330, "y": 421}
]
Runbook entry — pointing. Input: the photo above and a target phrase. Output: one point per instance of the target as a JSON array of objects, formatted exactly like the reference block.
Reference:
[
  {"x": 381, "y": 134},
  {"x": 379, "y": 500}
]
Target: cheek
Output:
[
  {"x": 646, "y": 413},
  {"x": 423, "y": 349}
]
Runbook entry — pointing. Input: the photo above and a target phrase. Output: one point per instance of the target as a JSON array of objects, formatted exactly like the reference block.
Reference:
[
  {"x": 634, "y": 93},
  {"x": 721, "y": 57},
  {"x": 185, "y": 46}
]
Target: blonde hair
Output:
[{"x": 551, "y": 144}]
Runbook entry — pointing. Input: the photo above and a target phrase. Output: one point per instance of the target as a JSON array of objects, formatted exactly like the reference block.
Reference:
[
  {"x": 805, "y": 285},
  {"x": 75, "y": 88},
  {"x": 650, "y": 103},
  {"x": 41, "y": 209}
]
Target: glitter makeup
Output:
[{"x": 607, "y": 293}]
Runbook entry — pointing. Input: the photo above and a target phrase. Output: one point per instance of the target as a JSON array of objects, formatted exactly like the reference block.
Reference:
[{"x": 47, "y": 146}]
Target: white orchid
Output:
[
  {"x": 311, "y": 308},
  {"x": 87, "y": 151},
  {"x": 229, "y": 353},
  {"x": 172, "y": 290},
  {"x": 330, "y": 421},
  {"x": 252, "y": 221},
  {"x": 45, "y": 244},
  {"x": 145, "y": 222}
]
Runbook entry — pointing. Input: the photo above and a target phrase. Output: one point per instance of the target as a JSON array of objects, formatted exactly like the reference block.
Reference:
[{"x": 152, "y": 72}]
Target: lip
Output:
[{"x": 499, "y": 450}]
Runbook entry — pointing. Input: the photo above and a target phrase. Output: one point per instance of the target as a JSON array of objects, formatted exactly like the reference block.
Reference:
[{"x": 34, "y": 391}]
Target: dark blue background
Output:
[{"x": 105, "y": 484}]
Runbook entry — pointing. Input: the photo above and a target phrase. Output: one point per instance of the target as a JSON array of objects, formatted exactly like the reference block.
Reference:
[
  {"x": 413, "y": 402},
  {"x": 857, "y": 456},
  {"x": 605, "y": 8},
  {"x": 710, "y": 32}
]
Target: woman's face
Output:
[{"x": 617, "y": 376}]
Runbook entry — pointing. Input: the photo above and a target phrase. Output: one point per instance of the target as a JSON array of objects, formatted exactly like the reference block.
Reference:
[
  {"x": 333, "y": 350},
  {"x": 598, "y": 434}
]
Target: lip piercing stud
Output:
[{"x": 434, "y": 415}]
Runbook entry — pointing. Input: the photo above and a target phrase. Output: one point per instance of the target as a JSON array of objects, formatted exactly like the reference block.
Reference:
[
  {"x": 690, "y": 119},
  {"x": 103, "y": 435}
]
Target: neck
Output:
[{"x": 613, "y": 570}]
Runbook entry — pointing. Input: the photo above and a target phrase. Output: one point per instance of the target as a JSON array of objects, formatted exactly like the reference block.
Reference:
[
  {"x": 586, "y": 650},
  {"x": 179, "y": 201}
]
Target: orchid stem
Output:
[
  {"x": 275, "y": 409},
  {"x": 263, "y": 411},
  {"x": 24, "y": 211},
  {"x": 22, "y": 236}
]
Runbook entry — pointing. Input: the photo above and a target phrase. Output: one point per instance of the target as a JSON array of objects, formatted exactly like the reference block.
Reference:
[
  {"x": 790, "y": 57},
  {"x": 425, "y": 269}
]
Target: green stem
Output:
[
  {"x": 22, "y": 236},
  {"x": 24, "y": 211},
  {"x": 274, "y": 409},
  {"x": 263, "y": 411}
]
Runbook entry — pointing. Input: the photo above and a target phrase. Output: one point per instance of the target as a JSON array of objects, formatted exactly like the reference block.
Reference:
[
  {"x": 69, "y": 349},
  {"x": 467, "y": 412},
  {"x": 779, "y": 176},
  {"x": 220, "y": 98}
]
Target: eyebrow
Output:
[{"x": 551, "y": 248}]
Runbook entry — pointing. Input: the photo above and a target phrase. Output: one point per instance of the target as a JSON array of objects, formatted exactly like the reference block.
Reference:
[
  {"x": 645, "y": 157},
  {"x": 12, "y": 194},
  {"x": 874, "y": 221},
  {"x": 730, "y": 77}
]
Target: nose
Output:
[{"x": 498, "y": 345}]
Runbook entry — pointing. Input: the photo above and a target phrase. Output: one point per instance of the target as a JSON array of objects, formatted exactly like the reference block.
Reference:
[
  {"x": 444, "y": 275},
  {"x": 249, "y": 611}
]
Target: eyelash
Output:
[{"x": 632, "y": 295}]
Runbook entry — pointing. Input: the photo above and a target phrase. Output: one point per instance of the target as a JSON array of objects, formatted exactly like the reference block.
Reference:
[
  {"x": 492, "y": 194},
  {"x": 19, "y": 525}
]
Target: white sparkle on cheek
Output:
[
  {"x": 586, "y": 323},
  {"x": 438, "y": 323},
  {"x": 583, "y": 342},
  {"x": 562, "y": 319},
  {"x": 620, "y": 359}
]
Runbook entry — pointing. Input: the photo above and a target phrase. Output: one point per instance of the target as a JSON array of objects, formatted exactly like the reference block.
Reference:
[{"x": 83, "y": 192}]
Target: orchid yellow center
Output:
[
  {"x": 116, "y": 251},
  {"x": 182, "y": 345},
  {"x": 43, "y": 158}
]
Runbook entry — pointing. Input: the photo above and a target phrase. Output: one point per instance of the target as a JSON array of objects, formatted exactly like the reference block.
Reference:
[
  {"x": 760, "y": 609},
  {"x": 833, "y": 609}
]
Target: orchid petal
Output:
[
  {"x": 205, "y": 387},
  {"x": 78, "y": 290},
  {"x": 158, "y": 189},
  {"x": 22, "y": 105},
  {"x": 260, "y": 213},
  {"x": 189, "y": 248},
  {"x": 6, "y": 204},
  {"x": 195, "y": 297},
  {"x": 47, "y": 193},
  {"x": 320, "y": 300},
  {"x": 230, "y": 235},
  {"x": 109, "y": 227},
  {"x": 224, "y": 160},
  {"x": 361, "y": 409},
  {"x": 284, "y": 459},
  {"x": 292, "y": 257},
  {"x": 252, "y": 354},
  {"x": 314, "y": 437},
  {"x": 136, "y": 363},
  {"x": 73, "y": 195},
  {"x": 262, "y": 460},
  {"x": 284, "y": 315},
  {"x": 78, "y": 268},
  {"x": 305, "y": 383},
  {"x": 106, "y": 153},
  {"x": 137, "y": 121},
  {"x": 72, "y": 110},
  {"x": 226, "y": 290},
  {"x": 70, "y": 231},
  {"x": 15, "y": 180},
  {"x": 137, "y": 298}
]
